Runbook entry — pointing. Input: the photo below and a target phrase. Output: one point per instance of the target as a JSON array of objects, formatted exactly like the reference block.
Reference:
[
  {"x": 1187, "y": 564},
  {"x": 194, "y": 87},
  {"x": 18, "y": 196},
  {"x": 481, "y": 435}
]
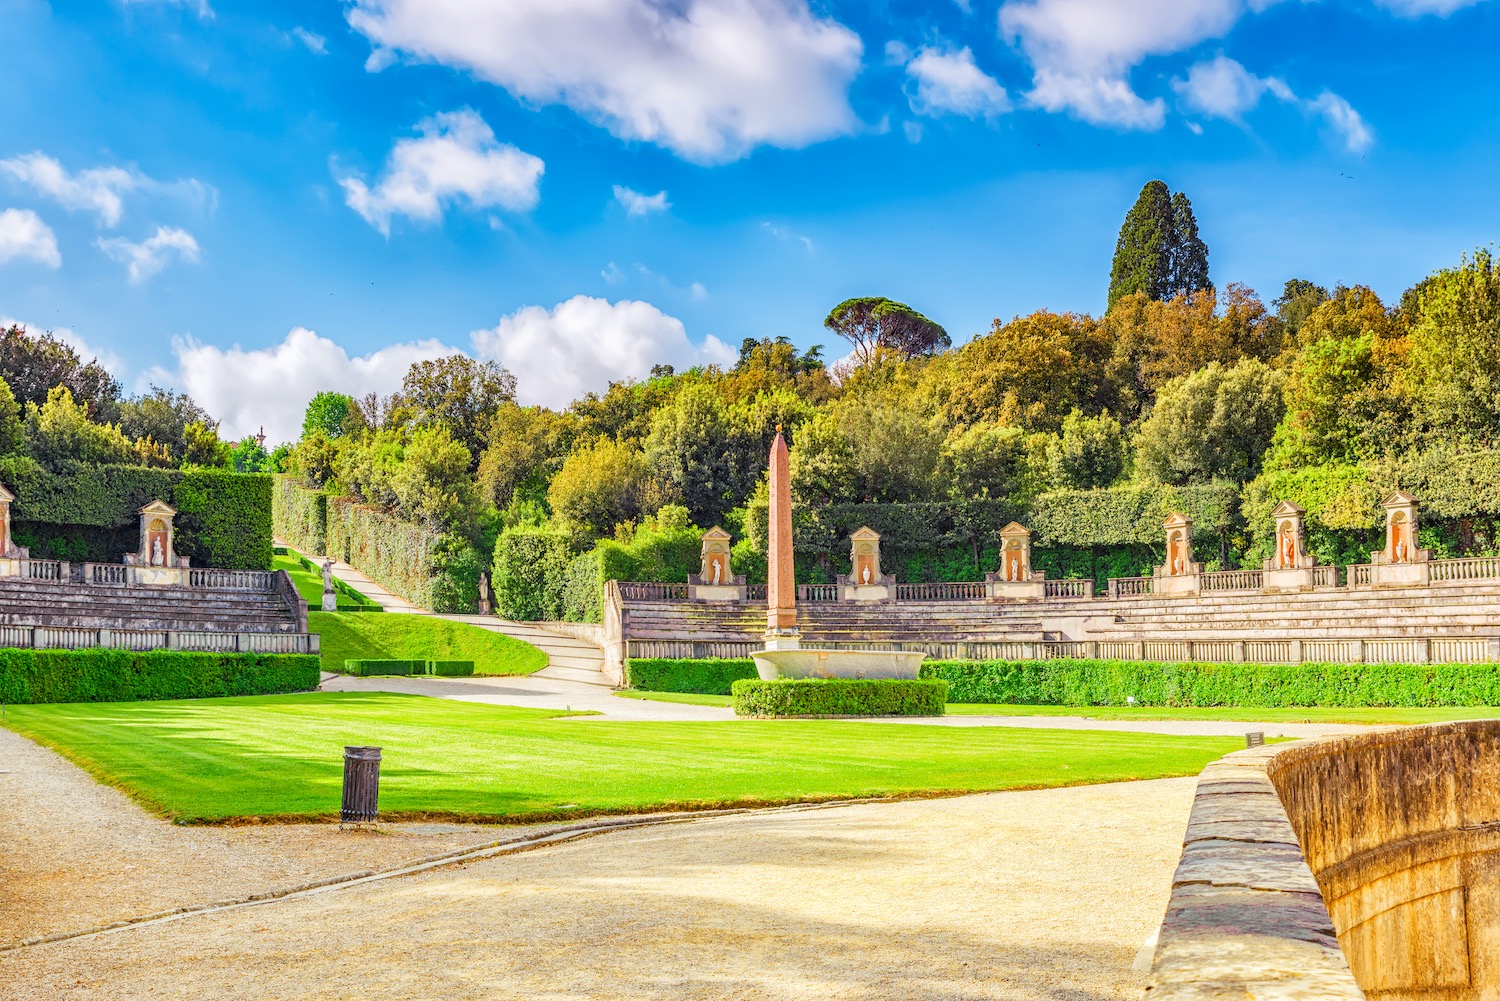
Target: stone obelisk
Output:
[{"x": 781, "y": 584}]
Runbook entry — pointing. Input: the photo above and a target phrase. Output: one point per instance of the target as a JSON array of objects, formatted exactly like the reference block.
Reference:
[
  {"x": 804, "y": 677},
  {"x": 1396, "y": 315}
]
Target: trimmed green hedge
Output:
[
  {"x": 451, "y": 668},
  {"x": 92, "y": 512},
  {"x": 373, "y": 668},
  {"x": 1112, "y": 682},
  {"x": 33, "y": 676},
  {"x": 839, "y": 697},
  {"x": 435, "y": 571},
  {"x": 531, "y": 573},
  {"x": 300, "y": 515},
  {"x": 705, "y": 676}
]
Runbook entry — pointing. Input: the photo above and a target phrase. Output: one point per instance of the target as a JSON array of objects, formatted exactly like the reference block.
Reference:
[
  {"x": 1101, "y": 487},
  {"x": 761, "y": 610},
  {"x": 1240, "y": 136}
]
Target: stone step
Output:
[{"x": 575, "y": 674}]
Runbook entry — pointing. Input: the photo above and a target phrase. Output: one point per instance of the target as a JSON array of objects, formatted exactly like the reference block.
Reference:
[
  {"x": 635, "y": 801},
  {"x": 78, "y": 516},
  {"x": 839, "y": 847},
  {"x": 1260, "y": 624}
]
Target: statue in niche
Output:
[
  {"x": 1013, "y": 564},
  {"x": 866, "y": 579},
  {"x": 1288, "y": 551},
  {"x": 158, "y": 558},
  {"x": 1177, "y": 565},
  {"x": 718, "y": 572}
]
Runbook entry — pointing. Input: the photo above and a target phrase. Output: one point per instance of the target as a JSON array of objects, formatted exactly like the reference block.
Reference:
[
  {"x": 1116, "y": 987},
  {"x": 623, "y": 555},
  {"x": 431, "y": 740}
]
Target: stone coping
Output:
[{"x": 1246, "y": 918}]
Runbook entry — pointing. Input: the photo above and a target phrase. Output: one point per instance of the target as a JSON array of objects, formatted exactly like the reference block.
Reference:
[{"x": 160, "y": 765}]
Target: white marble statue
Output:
[
  {"x": 157, "y": 557},
  {"x": 718, "y": 572},
  {"x": 327, "y": 576}
]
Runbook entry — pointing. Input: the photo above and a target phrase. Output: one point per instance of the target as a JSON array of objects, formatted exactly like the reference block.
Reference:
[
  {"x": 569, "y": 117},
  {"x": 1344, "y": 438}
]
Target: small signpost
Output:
[{"x": 1256, "y": 739}]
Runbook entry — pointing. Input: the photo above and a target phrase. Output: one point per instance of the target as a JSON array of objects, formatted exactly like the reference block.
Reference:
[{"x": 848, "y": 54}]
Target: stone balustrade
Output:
[{"x": 139, "y": 640}]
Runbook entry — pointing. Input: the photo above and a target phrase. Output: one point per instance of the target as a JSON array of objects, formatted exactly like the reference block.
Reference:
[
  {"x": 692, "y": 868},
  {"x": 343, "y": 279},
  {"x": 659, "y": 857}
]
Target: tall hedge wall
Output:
[
  {"x": 34, "y": 676},
  {"x": 434, "y": 571},
  {"x": 92, "y": 512},
  {"x": 300, "y": 516}
]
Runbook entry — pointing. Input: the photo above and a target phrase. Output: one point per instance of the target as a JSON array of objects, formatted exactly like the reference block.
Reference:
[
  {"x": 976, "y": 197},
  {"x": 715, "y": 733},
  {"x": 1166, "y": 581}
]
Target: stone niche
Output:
[
  {"x": 1291, "y": 569},
  {"x": 714, "y": 581},
  {"x": 1179, "y": 574},
  {"x": 864, "y": 581},
  {"x": 156, "y": 562},
  {"x": 11, "y": 554},
  {"x": 1401, "y": 563},
  {"x": 1015, "y": 578}
]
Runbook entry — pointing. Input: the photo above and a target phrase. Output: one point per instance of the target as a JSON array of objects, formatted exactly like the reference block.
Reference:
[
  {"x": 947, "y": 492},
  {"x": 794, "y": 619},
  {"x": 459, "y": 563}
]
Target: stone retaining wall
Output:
[{"x": 1315, "y": 869}]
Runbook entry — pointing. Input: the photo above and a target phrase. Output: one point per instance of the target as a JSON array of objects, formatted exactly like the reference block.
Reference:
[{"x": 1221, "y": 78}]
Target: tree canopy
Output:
[
  {"x": 1159, "y": 253},
  {"x": 874, "y": 324}
]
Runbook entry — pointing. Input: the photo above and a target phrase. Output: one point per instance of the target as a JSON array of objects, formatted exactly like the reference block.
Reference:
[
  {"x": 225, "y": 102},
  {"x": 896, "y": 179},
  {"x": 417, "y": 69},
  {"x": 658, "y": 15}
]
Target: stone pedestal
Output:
[
  {"x": 714, "y": 581},
  {"x": 864, "y": 581},
  {"x": 1179, "y": 574},
  {"x": 1015, "y": 578}
]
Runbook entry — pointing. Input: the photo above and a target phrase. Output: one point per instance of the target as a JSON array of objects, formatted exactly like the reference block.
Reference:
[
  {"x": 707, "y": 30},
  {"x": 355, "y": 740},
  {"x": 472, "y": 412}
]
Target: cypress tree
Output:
[
  {"x": 1189, "y": 253},
  {"x": 1143, "y": 254}
]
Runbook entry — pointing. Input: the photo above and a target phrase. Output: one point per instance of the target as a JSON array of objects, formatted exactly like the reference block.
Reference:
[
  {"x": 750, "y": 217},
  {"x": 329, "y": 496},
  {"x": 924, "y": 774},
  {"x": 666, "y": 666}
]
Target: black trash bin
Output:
[{"x": 361, "y": 785}]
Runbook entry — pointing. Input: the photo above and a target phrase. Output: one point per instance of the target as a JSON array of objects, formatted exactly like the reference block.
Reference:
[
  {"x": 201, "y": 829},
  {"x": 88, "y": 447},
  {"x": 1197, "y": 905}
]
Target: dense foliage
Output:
[
  {"x": 1112, "y": 682},
  {"x": 702, "y": 676},
  {"x": 32, "y": 676},
  {"x": 839, "y": 697}
]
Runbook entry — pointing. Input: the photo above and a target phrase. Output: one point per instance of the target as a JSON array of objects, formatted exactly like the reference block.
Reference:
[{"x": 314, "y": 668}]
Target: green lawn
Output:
[
  {"x": 1372, "y": 715},
  {"x": 392, "y": 636},
  {"x": 212, "y": 759},
  {"x": 309, "y": 584}
]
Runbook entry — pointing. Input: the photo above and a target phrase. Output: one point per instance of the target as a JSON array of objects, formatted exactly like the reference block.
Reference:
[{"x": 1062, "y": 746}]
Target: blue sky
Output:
[{"x": 252, "y": 202}]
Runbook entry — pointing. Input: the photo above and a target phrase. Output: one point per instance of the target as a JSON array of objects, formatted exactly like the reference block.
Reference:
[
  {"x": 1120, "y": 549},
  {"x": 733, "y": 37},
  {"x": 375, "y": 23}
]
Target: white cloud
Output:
[
  {"x": 96, "y": 190},
  {"x": 271, "y": 386},
  {"x": 1222, "y": 88},
  {"x": 23, "y": 236},
  {"x": 637, "y": 204},
  {"x": 1082, "y": 51},
  {"x": 583, "y": 344},
  {"x": 950, "y": 82},
  {"x": 316, "y": 43},
  {"x": 782, "y": 233},
  {"x": 1344, "y": 120},
  {"x": 146, "y": 258},
  {"x": 1417, "y": 8},
  {"x": 708, "y": 79},
  {"x": 200, "y": 6},
  {"x": 913, "y": 131},
  {"x": 455, "y": 156}
]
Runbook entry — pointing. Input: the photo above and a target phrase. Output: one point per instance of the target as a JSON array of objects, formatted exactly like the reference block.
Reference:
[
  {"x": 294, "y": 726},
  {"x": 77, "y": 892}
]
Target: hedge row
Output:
[
  {"x": 93, "y": 512},
  {"x": 1114, "y": 682},
  {"x": 435, "y": 571},
  {"x": 300, "y": 515},
  {"x": 402, "y": 668},
  {"x": 839, "y": 697},
  {"x": 705, "y": 676},
  {"x": 32, "y": 676}
]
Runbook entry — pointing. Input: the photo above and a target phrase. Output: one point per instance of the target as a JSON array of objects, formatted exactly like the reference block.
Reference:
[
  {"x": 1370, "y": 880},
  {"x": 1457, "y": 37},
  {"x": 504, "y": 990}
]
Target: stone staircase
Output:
[
  {"x": 568, "y": 658},
  {"x": 983, "y": 621},
  {"x": 135, "y": 607}
]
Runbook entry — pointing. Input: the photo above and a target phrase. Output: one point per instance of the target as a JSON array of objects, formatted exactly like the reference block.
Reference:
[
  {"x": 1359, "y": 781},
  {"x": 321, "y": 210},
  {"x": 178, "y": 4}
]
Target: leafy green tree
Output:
[
  {"x": 895, "y": 447},
  {"x": 33, "y": 365},
  {"x": 984, "y": 462},
  {"x": 366, "y": 465},
  {"x": 164, "y": 417},
  {"x": 1143, "y": 251},
  {"x": 601, "y": 484},
  {"x": 460, "y": 394},
  {"x": 876, "y": 325},
  {"x": 822, "y": 463},
  {"x": 12, "y": 430},
  {"x": 1215, "y": 423},
  {"x": 432, "y": 485},
  {"x": 689, "y": 449},
  {"x": 1189, "y": 272},
  {"x": 526, "y": 447},
  {"x": 249, "y": 456},
  {"x": 59, "y": 431},
  {"x": 1454, "y": 365},
  {"x": 1299, "y": 297},
  {"x": 1091, "y": 452},
  {"x": 1159, "y": 253},
  {"x": 327, "y": 414}
]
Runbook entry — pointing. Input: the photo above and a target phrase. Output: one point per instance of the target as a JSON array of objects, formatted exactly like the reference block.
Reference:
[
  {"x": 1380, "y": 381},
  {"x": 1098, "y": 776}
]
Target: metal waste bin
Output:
[{"x": 361, "y": 785}]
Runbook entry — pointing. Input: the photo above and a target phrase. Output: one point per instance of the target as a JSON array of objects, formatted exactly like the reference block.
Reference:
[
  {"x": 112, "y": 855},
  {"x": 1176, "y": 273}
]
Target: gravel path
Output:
[
  {"x": 75, "y": 854},
  {"x": 1020, "y": 895}
]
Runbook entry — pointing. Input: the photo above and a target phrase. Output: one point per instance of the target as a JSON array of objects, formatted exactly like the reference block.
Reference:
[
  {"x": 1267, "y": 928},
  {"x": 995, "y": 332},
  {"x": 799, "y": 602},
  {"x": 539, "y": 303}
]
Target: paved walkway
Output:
[{"x": 1042, "y": 895}]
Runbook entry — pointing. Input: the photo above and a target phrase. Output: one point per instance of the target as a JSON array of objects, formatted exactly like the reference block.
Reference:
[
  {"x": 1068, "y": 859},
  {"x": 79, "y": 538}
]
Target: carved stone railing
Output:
[
  {"x": 1131, "y": 587},
  {"x": 1327, "y": 576},
  {"x": 956, "y": 591},
  {"x": 1361, "y": 575},
  {"x": 1232, "y": 580},
  {"x": 71, "y": 638},
  {"x": 755, "y": 592},
  {"x": 231, "y": 580},
  {"x": 1470, "y": 568},
  {"x": 648, "y": 591},
  {"x": 106, "y": 573},
  {"x": 57, "y": 570},
  {"x": 813, "y": 593},
  {"x": 1069, "y": 588}
]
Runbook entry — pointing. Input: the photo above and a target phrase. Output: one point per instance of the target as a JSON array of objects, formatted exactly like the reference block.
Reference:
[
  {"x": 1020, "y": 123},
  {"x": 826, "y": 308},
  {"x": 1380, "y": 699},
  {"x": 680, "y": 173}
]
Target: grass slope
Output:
[
  {"x": 1355, "y": 715},
  {"x": 310, "y": 584},
  {"x": 391, "y": 636},
  {"x": 212, "y": 759}
]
